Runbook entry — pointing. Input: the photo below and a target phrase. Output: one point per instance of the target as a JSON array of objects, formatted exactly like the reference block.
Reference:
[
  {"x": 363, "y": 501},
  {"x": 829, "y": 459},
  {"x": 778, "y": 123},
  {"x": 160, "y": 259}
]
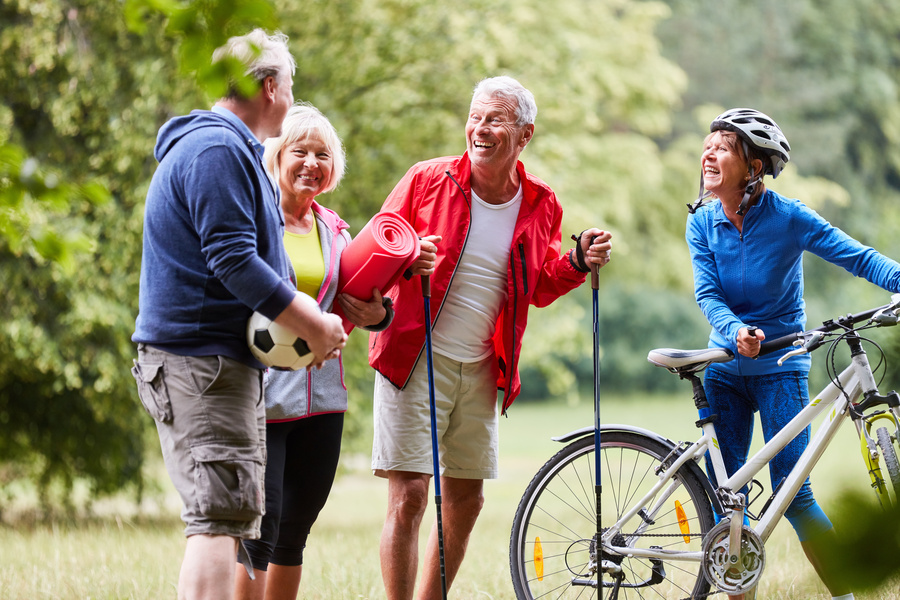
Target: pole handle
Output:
[{"x": 426, "y": 286}]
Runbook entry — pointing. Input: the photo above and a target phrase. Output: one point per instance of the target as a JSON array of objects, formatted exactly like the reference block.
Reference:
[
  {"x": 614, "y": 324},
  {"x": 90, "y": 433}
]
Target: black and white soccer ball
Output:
[{"x": 275, "y": 346}]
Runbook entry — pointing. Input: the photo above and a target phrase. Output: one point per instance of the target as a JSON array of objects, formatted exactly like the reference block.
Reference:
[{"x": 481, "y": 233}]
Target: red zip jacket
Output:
[{"x": 435, "y": 197}]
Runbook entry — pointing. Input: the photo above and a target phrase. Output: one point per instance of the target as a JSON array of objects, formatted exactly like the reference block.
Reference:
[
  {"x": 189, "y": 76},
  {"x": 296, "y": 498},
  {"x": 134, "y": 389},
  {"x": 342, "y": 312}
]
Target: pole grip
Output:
[
  {"x": 595, "y": 271},
  {"x": 426, "y": 286}
]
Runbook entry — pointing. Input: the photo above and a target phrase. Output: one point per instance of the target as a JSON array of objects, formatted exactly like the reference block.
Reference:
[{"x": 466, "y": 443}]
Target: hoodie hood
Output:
[{"x": 175, "y": 129}]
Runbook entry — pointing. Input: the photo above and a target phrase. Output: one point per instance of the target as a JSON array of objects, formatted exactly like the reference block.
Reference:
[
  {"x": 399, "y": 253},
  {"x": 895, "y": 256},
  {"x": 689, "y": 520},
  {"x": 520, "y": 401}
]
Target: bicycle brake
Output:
[
  {"x": 810, "y": 342},
  {"x": 666, "y": 462}
]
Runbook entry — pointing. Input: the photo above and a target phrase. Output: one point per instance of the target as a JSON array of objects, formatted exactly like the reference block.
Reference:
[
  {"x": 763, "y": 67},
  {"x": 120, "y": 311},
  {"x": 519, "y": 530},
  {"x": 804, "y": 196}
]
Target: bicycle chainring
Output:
[{"x": 717, "y": 568}]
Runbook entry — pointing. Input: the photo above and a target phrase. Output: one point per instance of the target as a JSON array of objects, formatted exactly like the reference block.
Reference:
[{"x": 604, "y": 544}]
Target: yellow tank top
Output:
[{"x": 305, "y": 253}]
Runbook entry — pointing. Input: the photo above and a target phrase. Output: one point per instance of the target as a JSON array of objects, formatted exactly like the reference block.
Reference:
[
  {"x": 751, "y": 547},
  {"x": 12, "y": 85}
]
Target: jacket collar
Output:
[
  {"x": 461, "y": 170},
  {"x": 329, "y": 218},
  {"x": 719, "y": 217}
]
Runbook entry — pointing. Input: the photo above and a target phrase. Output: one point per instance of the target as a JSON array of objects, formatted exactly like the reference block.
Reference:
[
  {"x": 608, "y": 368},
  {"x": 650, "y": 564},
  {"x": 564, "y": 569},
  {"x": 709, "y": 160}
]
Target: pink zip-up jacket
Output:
[
  {"x": 435, "y": 197},
  {"x": 293, "y": 395}
]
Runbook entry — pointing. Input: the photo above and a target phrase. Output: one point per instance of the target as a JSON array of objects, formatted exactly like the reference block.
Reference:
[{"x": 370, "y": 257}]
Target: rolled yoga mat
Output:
[{"x": 376, "y": 258}]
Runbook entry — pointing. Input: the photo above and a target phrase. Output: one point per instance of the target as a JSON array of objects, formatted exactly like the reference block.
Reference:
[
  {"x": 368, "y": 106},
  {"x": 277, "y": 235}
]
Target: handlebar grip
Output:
[
  {"x": 752, "y": 330},
  {"x": 778, "y": 343}
]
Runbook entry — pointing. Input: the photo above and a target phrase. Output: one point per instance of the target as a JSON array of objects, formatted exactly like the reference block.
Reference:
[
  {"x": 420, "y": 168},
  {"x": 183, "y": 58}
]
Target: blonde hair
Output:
[{"x": 303, "y": 121}]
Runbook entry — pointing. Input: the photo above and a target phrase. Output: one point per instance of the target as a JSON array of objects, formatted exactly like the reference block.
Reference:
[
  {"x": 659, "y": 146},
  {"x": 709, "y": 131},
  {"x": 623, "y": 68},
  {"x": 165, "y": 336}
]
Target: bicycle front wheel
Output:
[{"x": 552, "y": 545}]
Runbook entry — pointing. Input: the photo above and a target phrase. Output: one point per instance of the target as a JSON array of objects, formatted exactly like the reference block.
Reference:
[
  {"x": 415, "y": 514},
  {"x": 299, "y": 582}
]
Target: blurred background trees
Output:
[{"x": 625, "y": 91}]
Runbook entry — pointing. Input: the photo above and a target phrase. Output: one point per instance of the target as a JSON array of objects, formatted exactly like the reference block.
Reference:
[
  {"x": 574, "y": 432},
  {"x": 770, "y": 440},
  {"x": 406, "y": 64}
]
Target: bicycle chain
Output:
[{"x": 697, "y": 535}]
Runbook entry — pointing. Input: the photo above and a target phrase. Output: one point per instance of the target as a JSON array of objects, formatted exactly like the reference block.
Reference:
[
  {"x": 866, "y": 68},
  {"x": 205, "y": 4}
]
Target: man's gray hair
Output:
[
  {"x": 263, "y": 55},
  {"x": 507, "y": 87}
]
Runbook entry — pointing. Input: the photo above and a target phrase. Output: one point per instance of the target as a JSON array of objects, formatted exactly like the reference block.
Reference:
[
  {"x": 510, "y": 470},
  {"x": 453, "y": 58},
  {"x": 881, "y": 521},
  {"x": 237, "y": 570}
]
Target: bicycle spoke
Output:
[{"x": 552, "y": 548}]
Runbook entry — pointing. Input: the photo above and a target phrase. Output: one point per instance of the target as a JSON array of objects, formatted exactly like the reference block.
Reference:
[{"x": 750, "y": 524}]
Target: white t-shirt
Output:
[{"x": 479, "y": 290}]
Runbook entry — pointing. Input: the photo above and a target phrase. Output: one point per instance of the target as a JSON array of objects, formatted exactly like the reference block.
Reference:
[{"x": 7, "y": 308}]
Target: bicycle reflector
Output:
[
  {"x": 683, "y": 522},
  {"x": 539, "y": 559}
]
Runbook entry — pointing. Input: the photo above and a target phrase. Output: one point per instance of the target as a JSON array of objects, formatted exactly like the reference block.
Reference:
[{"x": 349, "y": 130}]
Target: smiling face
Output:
[
  {"x": 724, "y": 167},
  {"x": 305, "y": 169},
  {"x": 492, "y": 137}
]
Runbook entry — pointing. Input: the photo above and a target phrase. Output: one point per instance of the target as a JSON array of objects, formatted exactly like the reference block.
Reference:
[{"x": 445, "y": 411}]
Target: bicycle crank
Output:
[{"x": 733, "y": 573}]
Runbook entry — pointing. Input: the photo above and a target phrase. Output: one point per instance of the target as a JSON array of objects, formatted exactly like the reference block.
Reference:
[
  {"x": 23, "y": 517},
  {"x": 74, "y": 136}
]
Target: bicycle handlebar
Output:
[{"x": 828, "y": 326}]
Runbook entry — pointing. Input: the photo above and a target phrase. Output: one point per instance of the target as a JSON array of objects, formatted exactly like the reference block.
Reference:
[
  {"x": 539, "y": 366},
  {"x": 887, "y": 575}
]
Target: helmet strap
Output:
[
  {"x": 748, "y": 191},
  {"x": 702, "y": 195}
]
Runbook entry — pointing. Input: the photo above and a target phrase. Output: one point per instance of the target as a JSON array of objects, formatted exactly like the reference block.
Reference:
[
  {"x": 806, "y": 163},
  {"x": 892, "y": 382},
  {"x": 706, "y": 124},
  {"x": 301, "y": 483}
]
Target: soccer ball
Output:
[{"x": 275, "y": 346}]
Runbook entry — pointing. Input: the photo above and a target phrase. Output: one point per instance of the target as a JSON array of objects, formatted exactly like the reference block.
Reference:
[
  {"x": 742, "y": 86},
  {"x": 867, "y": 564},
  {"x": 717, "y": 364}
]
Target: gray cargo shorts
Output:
[{"x": 210, "y": 415}]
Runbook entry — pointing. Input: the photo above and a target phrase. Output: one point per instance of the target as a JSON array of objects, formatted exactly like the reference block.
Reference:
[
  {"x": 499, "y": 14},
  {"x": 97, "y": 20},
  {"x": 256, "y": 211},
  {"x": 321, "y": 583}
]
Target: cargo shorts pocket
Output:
[
  {"x": 228, "y": 481},
  {"x": 152, "y": 390}
]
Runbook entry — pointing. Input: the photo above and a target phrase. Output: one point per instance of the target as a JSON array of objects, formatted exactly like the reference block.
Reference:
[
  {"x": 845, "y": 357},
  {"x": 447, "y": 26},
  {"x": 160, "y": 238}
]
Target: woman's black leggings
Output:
[{"x": 302, "y": 460}]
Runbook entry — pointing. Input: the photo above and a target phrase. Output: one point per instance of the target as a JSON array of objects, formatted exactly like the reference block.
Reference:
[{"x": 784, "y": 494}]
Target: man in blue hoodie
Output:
[{"x": 213, "y": 254}]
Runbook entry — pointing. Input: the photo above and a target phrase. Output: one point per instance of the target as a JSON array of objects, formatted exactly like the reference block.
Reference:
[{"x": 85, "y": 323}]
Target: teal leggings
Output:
[{"x": 778, "y": 398}]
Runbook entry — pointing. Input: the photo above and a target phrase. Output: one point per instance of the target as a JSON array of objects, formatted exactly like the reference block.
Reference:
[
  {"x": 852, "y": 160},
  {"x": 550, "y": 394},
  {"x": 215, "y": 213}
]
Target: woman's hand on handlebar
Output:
[{"x": 748, "y": 341}]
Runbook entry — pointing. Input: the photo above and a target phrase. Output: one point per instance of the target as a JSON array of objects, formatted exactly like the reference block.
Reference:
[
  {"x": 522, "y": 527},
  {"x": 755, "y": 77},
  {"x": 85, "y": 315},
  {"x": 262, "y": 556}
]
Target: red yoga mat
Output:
[{"x": 376, "y": 258}]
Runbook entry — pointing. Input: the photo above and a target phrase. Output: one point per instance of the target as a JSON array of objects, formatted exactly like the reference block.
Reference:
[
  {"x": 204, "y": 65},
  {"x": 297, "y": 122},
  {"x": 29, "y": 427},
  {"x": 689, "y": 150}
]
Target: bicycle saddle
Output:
[{"x": 688, "y": 361}]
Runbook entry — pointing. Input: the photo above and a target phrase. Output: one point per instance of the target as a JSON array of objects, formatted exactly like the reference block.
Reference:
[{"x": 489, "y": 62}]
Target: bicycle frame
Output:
[{"x": 854, "y": 381}]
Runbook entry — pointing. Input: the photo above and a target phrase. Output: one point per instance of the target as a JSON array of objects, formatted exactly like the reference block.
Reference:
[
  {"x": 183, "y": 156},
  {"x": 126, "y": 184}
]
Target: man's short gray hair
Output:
[
  {"x": 507, "y": 87},
  {"x": 262, "y": 54}
]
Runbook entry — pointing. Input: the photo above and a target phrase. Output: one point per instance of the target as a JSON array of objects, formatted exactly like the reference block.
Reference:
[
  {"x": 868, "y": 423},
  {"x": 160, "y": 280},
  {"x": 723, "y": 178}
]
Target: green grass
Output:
[{"x": 136, "y": 557}]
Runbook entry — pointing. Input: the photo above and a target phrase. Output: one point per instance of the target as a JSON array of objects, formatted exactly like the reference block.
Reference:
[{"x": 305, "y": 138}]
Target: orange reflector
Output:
[
  {"x": 539, "y": 558},
  {"x": 683, "y": 523}
]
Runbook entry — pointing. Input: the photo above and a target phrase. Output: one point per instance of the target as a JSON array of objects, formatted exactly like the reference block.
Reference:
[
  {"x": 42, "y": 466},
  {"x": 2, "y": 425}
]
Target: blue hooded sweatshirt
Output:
[{"x": 213, "y": 250}]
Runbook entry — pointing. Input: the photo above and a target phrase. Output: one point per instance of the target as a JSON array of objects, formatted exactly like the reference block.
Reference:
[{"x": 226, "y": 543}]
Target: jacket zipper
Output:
[
  {"x": 452, "y": 275},
  {"x": 515, "y": 311}
]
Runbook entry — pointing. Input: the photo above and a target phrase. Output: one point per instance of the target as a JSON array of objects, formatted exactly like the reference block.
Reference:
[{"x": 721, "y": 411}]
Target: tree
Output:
[
  {"x": 85, "y": 95},
  {"x": 90, "y": 83},
  {"x": 827, "y": 72}
]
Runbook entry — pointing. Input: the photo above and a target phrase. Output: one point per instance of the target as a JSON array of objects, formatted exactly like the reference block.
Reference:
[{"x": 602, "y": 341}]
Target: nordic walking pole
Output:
[
  {"x": 598, "y": 487},
  {"x": 426, "y": 295}
]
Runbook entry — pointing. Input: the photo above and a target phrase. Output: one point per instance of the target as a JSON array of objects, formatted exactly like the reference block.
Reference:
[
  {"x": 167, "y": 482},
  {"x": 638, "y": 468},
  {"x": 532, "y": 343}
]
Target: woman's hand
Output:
[
  {"x": 747, "y": 343},
  {"x": 362, "y": 313}
]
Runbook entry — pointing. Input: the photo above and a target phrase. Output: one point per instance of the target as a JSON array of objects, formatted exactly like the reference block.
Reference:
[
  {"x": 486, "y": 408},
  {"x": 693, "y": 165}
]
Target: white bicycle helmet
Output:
[{"x": 758, "y": 130}]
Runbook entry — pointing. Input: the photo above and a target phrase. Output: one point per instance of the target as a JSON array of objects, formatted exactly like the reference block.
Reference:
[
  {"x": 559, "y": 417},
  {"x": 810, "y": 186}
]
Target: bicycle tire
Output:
[
  {"x": 889, "y": 454},
  {"x": 559, "y": 507}
]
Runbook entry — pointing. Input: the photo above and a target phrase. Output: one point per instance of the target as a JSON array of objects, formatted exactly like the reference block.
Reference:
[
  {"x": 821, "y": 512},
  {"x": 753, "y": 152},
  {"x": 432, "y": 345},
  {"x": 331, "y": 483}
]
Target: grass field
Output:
[{"x": 138, "y": 557}]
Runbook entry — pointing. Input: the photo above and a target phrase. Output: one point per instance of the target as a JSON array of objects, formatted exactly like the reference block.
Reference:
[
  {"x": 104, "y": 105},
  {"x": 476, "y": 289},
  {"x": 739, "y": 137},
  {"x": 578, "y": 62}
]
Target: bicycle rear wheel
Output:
[
  {"x": 552, "y": 540},
  {"x": 889, "y": 453}
]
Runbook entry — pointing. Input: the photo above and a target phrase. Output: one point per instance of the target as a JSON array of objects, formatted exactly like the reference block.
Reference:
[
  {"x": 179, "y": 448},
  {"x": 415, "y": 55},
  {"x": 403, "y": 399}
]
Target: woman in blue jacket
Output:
[{"x": 746, "y": 250}]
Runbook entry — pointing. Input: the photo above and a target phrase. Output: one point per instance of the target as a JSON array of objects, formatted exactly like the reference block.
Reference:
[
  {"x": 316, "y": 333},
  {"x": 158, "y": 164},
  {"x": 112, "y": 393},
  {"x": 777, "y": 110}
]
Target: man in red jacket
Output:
[{"x": 498, "y": 230}]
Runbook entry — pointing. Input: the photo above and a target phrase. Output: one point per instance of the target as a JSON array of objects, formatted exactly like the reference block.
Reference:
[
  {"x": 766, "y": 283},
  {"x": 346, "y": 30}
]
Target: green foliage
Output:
[
  {"x": 633, "y": 319},
  {"x": 827, "y": 72},
  {"x": 864, "y": 554},
  {"x": 625, "y": 90},
  {"x": 84, "y": 96},
  {"x": 395, "y": 77}
]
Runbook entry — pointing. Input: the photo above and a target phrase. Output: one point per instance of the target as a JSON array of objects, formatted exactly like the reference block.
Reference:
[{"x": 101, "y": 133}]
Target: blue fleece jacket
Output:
[
  {"x": 755, "y": 277},
  {"x": 213, "y": 248}
]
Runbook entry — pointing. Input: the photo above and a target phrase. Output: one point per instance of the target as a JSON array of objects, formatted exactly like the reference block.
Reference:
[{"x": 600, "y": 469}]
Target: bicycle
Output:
[{"x": 660, "y": 538}]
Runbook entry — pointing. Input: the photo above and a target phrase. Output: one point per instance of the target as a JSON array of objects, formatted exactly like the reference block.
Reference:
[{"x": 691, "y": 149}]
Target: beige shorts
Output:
[
  {"x": 210, "y": 415},
  {"x": 466, "y": 416}
]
